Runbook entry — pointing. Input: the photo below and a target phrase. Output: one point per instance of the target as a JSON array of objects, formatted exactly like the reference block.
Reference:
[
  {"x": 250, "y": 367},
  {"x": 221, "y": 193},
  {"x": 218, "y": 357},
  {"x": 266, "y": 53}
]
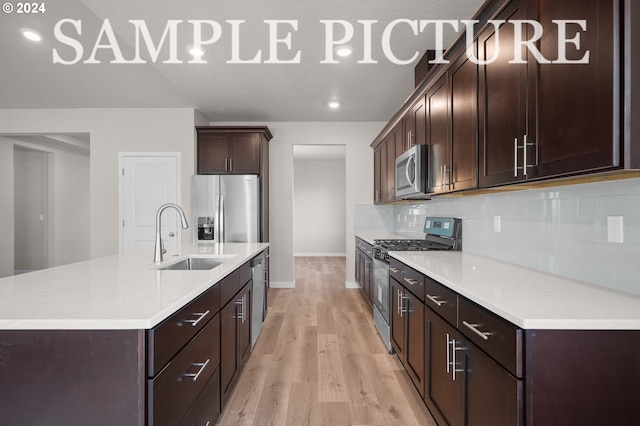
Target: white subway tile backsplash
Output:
[{"x": 560, "y": 230}]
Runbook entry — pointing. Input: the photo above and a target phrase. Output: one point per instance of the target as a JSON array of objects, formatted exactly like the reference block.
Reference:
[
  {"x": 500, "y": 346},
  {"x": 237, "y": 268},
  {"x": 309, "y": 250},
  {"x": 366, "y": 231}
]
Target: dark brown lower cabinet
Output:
[
  {"x": 207, "y": 407},
  {"x": 397, "y": 322},
  {"x": 441, "y": 389},
  {"x": 172, "y": 392},
  {"x": 464, "y": 386},
  {"x": 235, "y": 339},
  {"x": 407, "y": 332},
  {"x": 491, "y": 396}
]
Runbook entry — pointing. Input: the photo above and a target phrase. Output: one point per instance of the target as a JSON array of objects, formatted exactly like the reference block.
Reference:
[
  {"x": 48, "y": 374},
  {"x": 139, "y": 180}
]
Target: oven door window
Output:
[{"x": 381, "y": 280}]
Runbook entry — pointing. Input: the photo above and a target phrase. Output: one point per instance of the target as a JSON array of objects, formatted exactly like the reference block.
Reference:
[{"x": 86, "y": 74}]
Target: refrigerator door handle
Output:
[{"x": 221, "y": 216}]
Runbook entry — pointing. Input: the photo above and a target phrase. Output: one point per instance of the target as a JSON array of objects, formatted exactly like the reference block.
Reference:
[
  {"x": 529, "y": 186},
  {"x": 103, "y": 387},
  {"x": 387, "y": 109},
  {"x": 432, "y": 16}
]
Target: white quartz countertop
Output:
[
  {"x": 529, "y": 299},
  {"x": 114, "y": 292}
]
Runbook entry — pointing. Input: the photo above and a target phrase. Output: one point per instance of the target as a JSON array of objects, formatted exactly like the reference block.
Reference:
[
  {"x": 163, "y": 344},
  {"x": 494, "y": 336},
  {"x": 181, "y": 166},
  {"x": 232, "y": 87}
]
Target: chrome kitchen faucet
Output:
[{"x": 159, "y": 250}]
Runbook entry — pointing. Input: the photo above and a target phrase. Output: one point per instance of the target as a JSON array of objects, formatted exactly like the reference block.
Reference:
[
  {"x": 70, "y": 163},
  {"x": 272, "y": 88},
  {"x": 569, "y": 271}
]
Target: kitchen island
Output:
[{"x": 115, "y": 340}]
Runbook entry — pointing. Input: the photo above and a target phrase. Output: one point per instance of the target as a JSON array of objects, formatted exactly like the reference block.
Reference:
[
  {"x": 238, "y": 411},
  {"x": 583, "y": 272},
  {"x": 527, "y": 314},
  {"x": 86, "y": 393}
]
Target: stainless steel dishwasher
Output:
[{"x": 258, "y": 265}]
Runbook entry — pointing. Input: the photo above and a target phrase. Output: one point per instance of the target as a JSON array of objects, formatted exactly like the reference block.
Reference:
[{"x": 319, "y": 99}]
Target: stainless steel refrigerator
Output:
[{"x": 226, "y": 208}]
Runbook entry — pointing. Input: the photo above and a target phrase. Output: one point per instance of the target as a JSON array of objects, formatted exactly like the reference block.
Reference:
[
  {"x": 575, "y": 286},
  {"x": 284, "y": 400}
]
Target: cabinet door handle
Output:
[
  {"x": 399, "y": 303},
  {"x": 202, "y": 366},
  {"x": 515, "y": 157},
  {"x": 240, "y": 302},
  {"x": 454, "y": 363},
  {"x": 448, "y": 355},
  {"x": 525, "y": 147},
  {"x": 411, "y": 281},
  {"x": 244, "y": 307},
  {"x": 194, "y": 322},
  {"x": 406, "y": 309},
  {"x": 436, "y": 301},
  {"x": 473, "y": 328},
  {"x": 394, "y": 270},
  {"x": 451, "y": 357}
]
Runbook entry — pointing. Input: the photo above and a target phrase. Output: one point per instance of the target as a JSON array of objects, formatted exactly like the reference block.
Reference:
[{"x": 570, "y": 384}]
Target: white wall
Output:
[
  {"x": 113, "y": 130},
  {"x": 72, "y": 210},
  {"x": 320, "y": 213},
  {"x": 357, "y": 138}
]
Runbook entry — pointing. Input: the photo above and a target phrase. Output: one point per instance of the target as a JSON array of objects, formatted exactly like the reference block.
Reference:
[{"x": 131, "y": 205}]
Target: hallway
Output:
[{"x": 319, "y": 360}]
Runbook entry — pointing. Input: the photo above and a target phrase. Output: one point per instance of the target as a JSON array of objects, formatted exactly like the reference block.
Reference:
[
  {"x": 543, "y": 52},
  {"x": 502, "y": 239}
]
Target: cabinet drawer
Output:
[
  {"x": 396, "y": 269},
  {"x": 168, "y": 337},
  {"x": 231, "y": 285},
  {"x": 206, "y": 409},
  {"x": 441, "y": 299},
  {"x": 496, "y": 336},
  {"x": 410, "y": 279},
  {"x": 414, "y": 282},
  {"x": 172, "y": 393}
]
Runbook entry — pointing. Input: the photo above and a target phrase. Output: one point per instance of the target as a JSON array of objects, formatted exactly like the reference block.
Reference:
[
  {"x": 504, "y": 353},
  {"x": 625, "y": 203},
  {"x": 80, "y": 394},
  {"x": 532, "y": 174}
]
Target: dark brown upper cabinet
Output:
[
  {"x": 541, "y": 120},
  {"x": 384, "y": 166},
  {"x": 232, "y": 150},
  {"x": 413, "y": 124},
  {"x": 452, "y": 129}
]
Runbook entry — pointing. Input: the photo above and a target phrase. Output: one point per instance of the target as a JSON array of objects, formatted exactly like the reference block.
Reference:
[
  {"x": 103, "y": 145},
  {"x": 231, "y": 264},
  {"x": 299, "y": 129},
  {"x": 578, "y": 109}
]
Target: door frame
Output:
[{"x": 121, "y": 209}]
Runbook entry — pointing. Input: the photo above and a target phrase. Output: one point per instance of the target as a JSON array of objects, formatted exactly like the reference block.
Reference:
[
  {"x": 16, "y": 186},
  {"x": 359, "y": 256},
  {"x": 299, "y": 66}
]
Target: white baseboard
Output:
[
  {"x": 351, "y": 284},
  {"x": 282, "y": 284},
  {"x": 320, "y": 255}
]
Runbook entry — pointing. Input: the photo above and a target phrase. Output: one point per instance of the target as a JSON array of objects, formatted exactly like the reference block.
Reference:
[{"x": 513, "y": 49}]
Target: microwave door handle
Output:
[{"x": 410, "y": 167}]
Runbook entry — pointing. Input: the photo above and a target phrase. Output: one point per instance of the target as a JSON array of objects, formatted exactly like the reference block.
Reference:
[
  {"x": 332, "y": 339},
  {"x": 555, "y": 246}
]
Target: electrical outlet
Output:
[
  {"x": 615, "y": 231},
  {"x": 496, "y": 224}
]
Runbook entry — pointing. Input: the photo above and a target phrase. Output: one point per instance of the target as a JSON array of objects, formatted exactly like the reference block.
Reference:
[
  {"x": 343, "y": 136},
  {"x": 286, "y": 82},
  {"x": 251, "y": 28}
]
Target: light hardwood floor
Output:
[{"x": 319, "y": 360}]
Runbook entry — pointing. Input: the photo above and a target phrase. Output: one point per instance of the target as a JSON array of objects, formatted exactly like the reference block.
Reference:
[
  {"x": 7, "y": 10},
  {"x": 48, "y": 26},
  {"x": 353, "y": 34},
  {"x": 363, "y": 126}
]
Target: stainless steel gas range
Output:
[{"x": 441, "y": 233}]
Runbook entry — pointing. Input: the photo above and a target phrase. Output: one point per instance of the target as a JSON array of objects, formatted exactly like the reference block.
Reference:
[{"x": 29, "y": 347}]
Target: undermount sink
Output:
[{"x": 192, "y": 264}]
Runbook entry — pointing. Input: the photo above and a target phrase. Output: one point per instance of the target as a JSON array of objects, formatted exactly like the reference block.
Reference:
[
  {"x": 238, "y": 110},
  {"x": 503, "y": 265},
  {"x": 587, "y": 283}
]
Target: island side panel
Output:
[
  {"x": 582, "y": 377},
  {"x": 72, "y": 377}
]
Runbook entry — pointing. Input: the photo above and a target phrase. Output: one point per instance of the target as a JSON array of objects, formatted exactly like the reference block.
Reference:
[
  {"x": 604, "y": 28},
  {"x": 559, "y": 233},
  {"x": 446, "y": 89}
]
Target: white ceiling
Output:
[{"x": 219, "y": 90}]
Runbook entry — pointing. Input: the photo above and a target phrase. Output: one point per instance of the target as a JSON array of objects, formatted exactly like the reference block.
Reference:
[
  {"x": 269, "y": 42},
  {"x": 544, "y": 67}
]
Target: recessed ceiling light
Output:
[
  {"x": 344, "y": 51},
  {"x": 31, "y": 35},
  {"x": 196, "y": 52},
  {"x": 333, "y": 104}
]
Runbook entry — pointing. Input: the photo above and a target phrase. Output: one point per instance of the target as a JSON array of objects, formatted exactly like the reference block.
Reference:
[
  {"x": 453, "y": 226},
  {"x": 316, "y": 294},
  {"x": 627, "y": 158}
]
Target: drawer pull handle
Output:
[
  {"x": 436, "y": 301},
  {"x": 202, "y": 366},
  {"x": 194, "y": 322},
  {"x": 473, "y": 328},
  {"x": 394, "y": 270},
  {"x": 411, "y": 281}
]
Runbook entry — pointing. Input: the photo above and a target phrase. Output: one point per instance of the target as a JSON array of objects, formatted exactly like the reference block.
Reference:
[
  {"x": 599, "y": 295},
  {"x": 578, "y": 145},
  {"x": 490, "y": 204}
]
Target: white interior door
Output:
[{"x": 147, "y": 181}]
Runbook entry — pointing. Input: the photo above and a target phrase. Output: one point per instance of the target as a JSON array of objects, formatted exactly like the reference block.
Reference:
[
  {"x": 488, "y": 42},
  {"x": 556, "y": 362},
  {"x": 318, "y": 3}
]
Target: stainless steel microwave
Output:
[{"x": 411, "y": 173}]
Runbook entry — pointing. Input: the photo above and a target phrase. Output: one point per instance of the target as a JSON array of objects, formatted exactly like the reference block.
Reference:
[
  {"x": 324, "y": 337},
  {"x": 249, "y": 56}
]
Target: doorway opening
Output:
[
  {"x": 45, "y": 206},
  {"x": 319, "y": 201}
]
